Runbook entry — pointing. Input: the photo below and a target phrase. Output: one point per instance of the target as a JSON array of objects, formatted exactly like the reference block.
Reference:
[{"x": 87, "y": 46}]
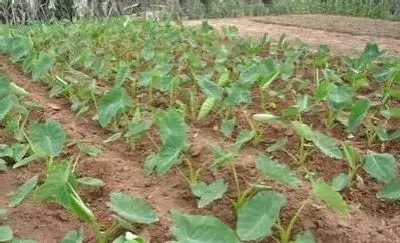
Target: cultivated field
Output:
[{"x": 198, "y": 134}]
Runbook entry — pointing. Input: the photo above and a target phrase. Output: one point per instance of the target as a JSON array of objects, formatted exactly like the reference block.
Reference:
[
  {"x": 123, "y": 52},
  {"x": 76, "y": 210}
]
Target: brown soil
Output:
[
  {"x": 122, "y": 170},
  {"x": 345, "y": 35}
]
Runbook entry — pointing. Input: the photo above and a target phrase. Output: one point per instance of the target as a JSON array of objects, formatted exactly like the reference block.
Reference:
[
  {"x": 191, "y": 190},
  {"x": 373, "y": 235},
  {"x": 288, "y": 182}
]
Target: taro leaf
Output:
[
  {"x": 113, "y": 137},
  {"x": 5, "y": 106},
  {"x": 270, "y": 73},
  {"x": 201, "y": 229},
  {"x": 221, "y": 156},
  {"x": 243, "y": 137},
  {"x": 19, "y": 47},
  {"x": 17, "y": 240},
  {"x": 26, "y": 161},
  {"x": 44, "y": 63},
  {"x": 305, "y": 237},
  {"x": 327, "y": 145},
  {"x": 147, "y": 53},
  {"x": 384, "y": 135},
  {"x": 90, "y": 181},
  {"x": 47, "y": 139},
  {"x": 371, "y": 52},
  {"x": 206, "y": 107},
  {"x": 227, "y": 126},
  {"x": 277, "y": 171},
  {"x": 138, "y": 128},
  {"x": 73, "y": 236},
  {"x": 89, "y": 149},
  {"x": 113, "y": 102},
  {"x": 19, "y": 151},
  {"x": 122, "y": 73},
  {"x": 393, "y": 112},
  {"x": 224, "y": 78},
  {"x": 173, "y": 136},
  {"x": 164, "y": 160},
  {"x": 19, "y": 195},
  {"x": 338, "y": 96},
  {"x": 208, "y": 193},
  {"x": 237, "y": 94},
  {"x": 250, "y": 75},
  {"x": 390, "y": 191},
  {"x": 339, "y": 182},
  {"x": 303, "y": 102},
  {"x": 56, "y": 184},
  {"x": 208, "y": 87},
  {"x": 264, "y": 117},
  {"x": 303, "y": 130},
  {"x": 321, "y": 91},
  {"x": 6, "y": 233},
  {"x": 131, "y": 208},
  {"x": 278, "y": 145},
  {"x": 258, "y": 214},
  {"x": 287, "y": 68},
  {"x": 325, "y": 193},
  {"x": 380, "y": 166},
  {"x": 358, "y": 112},
  {"x": 17, "y": 90},
  {"x": 4, "y": 86},
  {"x": 351, "y": 155}
]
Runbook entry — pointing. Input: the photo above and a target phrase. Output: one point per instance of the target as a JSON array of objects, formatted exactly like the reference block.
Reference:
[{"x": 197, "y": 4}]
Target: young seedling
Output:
[{"x": 354, "y": 164}]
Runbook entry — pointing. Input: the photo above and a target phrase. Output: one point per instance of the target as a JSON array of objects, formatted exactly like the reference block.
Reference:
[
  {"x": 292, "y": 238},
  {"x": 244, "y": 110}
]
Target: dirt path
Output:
[{"x": 345, "y": 35}]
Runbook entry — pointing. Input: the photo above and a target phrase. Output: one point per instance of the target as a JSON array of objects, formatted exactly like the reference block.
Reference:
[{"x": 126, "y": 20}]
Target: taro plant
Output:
[
  {"x": 259, "y": 214},
  {"x": 323, "y": 142},
  {"x": 173, "y": 135},
  {"x": 381, "y": 166},
  {"x": 339, "y": 97},
  {"x": 61, "y": 187}
]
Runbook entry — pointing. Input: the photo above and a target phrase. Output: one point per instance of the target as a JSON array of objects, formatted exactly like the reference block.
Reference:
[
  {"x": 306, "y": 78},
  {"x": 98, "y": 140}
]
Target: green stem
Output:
[
  {"x": 257, "y": 135},
  {"x": 302, "y": 152},
  {"x": 287, "y": 233},
  {"x": 262, "y": 99},
  {"x": 331, "y": 118},
  {"x": 237, "y": 185}
]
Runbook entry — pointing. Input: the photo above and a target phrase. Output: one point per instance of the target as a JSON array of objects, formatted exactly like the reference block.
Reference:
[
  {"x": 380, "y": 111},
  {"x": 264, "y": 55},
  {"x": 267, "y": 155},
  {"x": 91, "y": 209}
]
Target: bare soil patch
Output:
[{"x": 344, "y": 35}]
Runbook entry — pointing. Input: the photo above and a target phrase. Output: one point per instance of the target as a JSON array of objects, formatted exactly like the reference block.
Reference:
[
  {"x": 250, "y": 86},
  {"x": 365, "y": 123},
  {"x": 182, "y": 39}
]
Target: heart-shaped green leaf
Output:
[
  {"x": 110, "y": 104},
  {"x": 358, "y": 111},
  {"x": 258, "y": 214},
  {"x": 390, "y": 191},
  {"x": 277, "y": 171},
  {"x": 201, "y": 229},
  {"x": 325, "y": 193},
  {"x": 131, "y": 208},
  {"x": 209, "y": 193},
  {"x": 380, "y": 166},
  {"x": 19, "y": 195},
  {"x": 339, "y": 95},
  {"x": 47, "y": 139},
  {"x": 327, "y": 145},
  {"x": 339, "y": 182}
]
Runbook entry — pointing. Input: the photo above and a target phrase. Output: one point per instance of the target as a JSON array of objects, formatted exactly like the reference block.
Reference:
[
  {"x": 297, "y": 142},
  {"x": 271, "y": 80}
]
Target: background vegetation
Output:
[{"x": 22, "y": 11}]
